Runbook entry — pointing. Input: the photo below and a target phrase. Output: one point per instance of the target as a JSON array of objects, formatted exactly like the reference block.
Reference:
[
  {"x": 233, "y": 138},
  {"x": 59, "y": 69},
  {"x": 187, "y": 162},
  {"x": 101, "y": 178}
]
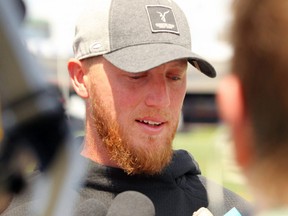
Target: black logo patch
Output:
[{"x": 161, "y": 19}]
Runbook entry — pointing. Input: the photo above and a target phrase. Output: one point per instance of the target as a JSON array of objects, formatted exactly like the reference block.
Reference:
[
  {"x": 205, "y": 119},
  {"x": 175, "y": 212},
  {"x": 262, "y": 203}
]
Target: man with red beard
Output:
[{"x": 130, "y": 65}]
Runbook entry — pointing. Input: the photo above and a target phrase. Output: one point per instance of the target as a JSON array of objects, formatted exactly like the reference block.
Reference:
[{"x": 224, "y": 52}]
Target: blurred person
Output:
[
  {"x": 253, "y": 100},
  {"x": 130, "y": 68}
]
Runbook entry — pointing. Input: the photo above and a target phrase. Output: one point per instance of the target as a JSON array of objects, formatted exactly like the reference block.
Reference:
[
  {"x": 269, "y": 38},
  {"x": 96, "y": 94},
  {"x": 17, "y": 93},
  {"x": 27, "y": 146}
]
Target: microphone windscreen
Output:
[
  {"x": 91, "y": 207},
  {"x": 130, "y": 203}
]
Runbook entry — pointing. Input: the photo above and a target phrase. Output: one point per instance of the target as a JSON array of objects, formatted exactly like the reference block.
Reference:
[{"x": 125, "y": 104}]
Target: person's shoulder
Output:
[{"x": 221, "y": 200}]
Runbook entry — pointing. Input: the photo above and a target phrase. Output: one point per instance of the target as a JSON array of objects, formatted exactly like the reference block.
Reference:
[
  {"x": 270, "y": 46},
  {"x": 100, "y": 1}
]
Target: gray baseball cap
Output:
[{"x": 136, "y": 35}]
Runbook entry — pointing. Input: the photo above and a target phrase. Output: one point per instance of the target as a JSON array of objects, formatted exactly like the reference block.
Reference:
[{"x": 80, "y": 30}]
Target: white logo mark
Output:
[{"x": 162, "y": 16}]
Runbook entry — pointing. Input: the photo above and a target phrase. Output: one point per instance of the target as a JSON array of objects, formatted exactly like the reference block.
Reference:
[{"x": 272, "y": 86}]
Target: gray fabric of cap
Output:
[{"x": 136, "y": 35}]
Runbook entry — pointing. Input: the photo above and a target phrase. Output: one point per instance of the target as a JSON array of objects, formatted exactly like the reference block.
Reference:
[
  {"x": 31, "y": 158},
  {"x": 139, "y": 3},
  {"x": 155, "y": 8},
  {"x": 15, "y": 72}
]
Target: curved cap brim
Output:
[{"x": 147, "y": 56}]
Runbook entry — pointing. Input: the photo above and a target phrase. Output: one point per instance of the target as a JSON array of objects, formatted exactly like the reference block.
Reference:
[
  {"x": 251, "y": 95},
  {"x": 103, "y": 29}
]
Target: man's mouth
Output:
[{"x": 150, "y": 123}]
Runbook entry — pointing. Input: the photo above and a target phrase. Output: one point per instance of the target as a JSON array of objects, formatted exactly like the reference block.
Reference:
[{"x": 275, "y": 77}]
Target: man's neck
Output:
[{"x": 94, "y": 149}]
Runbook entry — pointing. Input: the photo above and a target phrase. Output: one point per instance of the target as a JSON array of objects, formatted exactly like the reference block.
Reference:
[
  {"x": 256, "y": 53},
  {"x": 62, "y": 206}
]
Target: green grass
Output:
[{"x": 212, "y": 149}]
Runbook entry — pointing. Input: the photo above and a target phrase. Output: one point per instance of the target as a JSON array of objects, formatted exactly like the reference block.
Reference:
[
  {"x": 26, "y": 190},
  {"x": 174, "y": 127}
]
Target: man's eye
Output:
[
  {"x": 135, "y": 77},
  {"x": 175, "y": 78}
]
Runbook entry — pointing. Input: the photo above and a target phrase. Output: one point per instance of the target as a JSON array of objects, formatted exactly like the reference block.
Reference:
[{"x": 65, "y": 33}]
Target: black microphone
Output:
[
  {"x": 32, "y": 107},
  {"x": 33, "y": 121},
  {"x": 91, "y": 207},
  {"x": 131, "y": 203}
]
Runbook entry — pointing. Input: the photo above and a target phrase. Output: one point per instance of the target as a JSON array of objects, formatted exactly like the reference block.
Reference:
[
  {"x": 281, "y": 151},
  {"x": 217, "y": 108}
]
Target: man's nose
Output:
[{"x": 158, "y": 93}]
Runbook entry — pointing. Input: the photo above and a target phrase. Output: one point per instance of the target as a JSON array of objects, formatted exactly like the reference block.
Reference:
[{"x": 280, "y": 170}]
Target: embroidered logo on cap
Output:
[{"x": 161, "y": 19}]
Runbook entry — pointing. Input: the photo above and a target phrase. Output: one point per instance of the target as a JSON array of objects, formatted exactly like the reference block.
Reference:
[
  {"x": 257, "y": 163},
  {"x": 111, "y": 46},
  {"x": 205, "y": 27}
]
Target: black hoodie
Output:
[{"x": 179, "y": 190}]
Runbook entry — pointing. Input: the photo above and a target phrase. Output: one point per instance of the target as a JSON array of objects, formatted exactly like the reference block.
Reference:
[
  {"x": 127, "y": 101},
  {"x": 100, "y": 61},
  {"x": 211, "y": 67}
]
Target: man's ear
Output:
[
  {"x": 233, "y": 112},
  {"x": 77, "y": 74}
]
